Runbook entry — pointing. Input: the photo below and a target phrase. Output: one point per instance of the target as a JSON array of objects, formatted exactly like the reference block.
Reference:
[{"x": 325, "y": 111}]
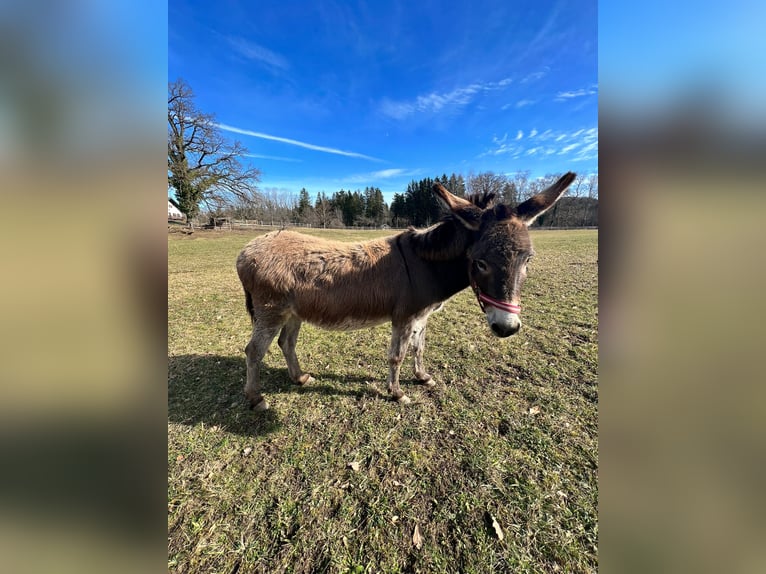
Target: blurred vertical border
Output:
[
  {"x": 83, "y": 289},
  {"x": 682, "y": 122},
  {"x": 84, "y": 286}
]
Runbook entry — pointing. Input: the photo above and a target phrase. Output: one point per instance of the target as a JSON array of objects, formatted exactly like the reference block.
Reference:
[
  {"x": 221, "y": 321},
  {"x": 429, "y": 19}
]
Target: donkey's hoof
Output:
[
  {"x": 305, "y": 379},
  {"x": 429, "y": 382},
  {"x": 261, "y": 405},
  {"x": 403, "y": 400}
]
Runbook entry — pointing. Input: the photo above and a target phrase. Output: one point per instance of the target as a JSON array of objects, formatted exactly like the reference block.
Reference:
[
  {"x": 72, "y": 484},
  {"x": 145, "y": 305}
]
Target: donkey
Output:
[{"x": 289, "y": 278}]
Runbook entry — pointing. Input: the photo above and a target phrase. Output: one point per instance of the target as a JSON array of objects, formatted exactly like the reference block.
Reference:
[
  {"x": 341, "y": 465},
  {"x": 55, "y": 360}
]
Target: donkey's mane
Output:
[
  {"x": 482, "y": 200},
  {"x": 448, "y": 238}
]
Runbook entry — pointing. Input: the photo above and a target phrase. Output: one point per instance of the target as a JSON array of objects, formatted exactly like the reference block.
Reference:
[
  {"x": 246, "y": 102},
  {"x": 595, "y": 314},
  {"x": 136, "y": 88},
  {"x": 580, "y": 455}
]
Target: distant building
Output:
[{"x": 174, "y": 214}]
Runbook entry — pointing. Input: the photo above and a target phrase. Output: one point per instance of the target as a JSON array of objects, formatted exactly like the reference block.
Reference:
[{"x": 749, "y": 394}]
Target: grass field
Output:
[{"x": 496, "y": 468}]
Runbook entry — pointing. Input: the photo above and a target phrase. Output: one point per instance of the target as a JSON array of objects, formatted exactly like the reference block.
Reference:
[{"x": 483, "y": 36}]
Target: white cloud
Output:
[
  {"x": 396, "y": 110},
  {"x": 369, "y": 178},
  {"x": 578, "y": 145},
  {"x": 274, "y": 157},
  {"x": 294, "y": 142},
  {"x": 253, "y": 51},
  {"x": 535, "y": 75},
  {"x": 564, "y": 96},
  {"x": 568, "y": 148},
  {"x": 386, "y": 173},
  {"x": 438, "y": 102},
  {"x": 524, "y": 103}
]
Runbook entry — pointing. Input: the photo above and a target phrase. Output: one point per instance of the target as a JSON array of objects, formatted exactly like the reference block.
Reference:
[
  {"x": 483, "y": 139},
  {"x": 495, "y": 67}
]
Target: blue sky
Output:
[{"x": 330, "y": 95}]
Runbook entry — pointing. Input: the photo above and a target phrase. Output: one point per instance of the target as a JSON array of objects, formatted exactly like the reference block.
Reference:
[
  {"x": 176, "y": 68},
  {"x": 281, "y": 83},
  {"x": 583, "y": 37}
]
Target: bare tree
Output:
[
  {"x": 203, "y": 168},
  {"x": 487, "y": 182},
  {"x": 521, "y": 184},
  {"x": 323, "y": 208},
  {"x": 592, "y": 186}
]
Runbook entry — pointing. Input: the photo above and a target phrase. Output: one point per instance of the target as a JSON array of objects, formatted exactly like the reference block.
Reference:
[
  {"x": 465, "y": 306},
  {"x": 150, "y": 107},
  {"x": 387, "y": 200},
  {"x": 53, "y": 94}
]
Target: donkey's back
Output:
[{"x": 328, "y": 283}]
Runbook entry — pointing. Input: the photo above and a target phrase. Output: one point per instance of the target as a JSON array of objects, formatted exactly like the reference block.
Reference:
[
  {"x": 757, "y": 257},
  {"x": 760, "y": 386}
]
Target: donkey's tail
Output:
[{"x": 249, "y": 305}]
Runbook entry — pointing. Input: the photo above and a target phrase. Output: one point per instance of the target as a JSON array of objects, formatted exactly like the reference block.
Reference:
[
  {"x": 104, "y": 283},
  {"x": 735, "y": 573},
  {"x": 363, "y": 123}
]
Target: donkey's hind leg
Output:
[
  {"x": 263, "y": 335},
  {"x": 400, "y": 340},
  {"x": 287, "y": 340}
]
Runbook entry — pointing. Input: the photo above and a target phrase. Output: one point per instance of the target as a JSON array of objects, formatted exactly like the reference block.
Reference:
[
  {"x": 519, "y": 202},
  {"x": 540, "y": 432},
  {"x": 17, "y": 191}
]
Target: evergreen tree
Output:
[
  {"x": 399, "y": 216},
  {"x": 304, "y": 204}
]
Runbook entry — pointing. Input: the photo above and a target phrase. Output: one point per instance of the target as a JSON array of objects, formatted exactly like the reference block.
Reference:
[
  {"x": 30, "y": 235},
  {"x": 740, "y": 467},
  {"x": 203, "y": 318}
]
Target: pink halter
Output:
[{"x": 502, "y": 305}]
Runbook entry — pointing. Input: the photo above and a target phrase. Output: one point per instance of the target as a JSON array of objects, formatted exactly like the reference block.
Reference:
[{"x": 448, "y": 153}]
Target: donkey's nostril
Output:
[{"x": 505, "y": 330}]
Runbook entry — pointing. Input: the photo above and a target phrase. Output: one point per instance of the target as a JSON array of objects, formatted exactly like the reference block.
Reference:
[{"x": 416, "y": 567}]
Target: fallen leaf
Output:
[
  {"x": 394, "y": 518},
  {"x": 353, "y": 466},
  {"x": 247, "y": 450},
  {"x": 496, "y": 528},
  {"x": 534, "y": 410},
  {"x": 417, "y": 539},
  {"x": 179, "y": 458}
]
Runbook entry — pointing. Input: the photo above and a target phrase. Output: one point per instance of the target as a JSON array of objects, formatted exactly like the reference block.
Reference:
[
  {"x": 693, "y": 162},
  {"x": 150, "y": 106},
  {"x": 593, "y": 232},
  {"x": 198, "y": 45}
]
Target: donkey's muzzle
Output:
[
  {"x": 502, "y": 323},
  {"x": 505, "y": 330}
]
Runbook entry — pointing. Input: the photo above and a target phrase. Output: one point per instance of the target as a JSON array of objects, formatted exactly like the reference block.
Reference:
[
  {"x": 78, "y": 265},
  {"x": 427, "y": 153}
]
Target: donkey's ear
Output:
[
  {"x": 466, "y": 212},
  {"x": 540, "y": 203}
]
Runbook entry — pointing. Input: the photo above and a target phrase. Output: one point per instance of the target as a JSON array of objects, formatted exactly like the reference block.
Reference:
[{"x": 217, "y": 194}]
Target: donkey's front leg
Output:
[
  {"x": 400, "y": 340},
  {"x": 419, "y": 345}
]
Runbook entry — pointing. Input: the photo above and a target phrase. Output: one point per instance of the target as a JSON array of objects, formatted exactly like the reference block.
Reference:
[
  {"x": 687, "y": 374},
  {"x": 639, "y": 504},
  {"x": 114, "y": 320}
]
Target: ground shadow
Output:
[{"x": 209, "y": 389}]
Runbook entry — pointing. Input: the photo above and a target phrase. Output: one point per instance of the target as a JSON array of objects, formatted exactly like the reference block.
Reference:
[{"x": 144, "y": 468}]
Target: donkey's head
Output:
[{"x": 497, "y": 259}]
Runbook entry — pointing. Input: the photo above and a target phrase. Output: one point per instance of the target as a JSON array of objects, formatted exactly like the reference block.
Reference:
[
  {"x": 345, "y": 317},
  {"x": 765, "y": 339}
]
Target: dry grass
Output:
[{"x": 273, "y": 492}]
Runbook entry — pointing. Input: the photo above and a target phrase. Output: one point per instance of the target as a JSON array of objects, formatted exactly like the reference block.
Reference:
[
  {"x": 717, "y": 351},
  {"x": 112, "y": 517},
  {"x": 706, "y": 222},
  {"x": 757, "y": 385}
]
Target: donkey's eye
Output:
[{"x": 481, "y": 266}]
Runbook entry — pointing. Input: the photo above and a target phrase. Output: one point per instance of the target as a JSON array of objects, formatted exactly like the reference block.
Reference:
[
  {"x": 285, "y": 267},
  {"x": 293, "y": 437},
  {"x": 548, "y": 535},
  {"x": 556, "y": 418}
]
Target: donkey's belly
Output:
[
  {"x": 343, "y": 309},
  {"x": 346, "y": 323}
]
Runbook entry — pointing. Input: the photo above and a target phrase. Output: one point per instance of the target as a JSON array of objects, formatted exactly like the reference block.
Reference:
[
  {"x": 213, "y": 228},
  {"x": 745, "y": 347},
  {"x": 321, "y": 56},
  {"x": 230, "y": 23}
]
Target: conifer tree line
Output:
[{"x": 417, "y": 204}]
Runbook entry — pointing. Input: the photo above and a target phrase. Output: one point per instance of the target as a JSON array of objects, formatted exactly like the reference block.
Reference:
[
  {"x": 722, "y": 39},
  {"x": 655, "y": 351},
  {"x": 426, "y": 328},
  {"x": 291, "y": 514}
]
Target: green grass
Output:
[{"x": 273, "y": 492}]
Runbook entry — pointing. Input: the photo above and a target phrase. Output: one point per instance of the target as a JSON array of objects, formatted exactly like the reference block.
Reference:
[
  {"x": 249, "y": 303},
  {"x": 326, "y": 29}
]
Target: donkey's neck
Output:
[
  {"x": 441, "y": 252},
  {"x": 445, "y": 241}
]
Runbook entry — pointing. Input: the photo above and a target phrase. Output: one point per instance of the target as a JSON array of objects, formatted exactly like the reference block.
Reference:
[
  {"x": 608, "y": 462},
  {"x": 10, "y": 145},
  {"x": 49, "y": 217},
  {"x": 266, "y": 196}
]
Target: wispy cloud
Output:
[
  {"x": 382, "y": 174},
  {"x": 564, "y": 96},
  {"x": 439, "y": 102},
  {"x": 274, "y": 157},
  {"x": 387, "y": 173},
  {"x": 295, "y": 142},
  {"x": 534, "y": 76},
  {"x": 257, "y": 53},
  {"x": 568, "y": 148},
  {"x": 579, "y": 145}
]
